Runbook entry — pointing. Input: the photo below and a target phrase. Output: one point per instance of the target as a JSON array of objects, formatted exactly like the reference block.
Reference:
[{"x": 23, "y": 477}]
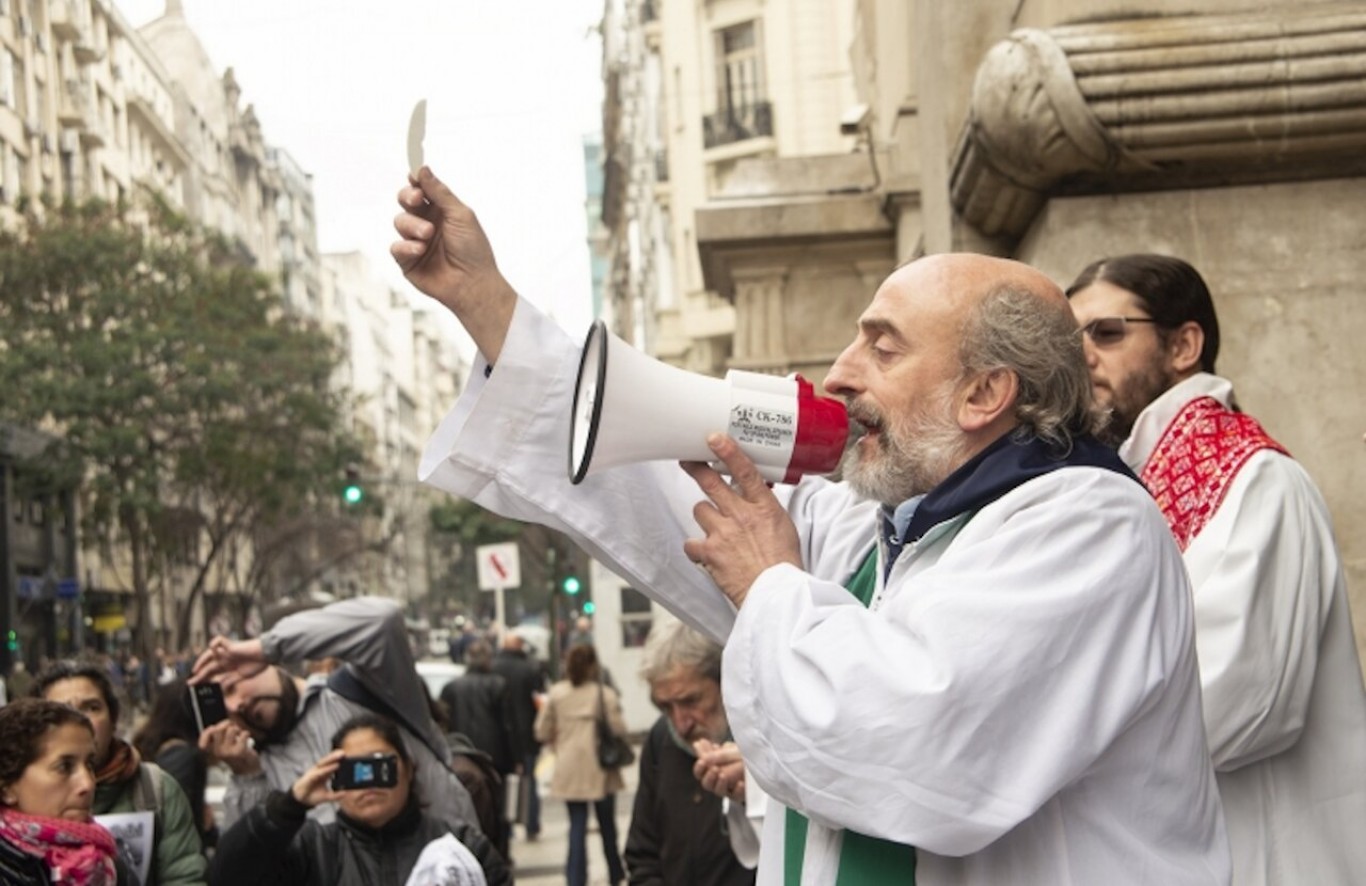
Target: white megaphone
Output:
[{"x": 629, "y": 407}]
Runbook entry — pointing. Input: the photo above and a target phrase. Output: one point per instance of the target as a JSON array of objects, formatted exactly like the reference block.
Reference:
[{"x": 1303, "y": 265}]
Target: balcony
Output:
[
  {"x": 737, "y": 124},
  {"x": 62, "y": 17}
]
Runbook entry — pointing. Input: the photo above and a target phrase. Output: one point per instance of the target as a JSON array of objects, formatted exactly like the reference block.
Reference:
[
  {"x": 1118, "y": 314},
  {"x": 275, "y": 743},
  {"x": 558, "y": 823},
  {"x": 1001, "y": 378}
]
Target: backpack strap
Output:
[{"x": 148, "y": 794}]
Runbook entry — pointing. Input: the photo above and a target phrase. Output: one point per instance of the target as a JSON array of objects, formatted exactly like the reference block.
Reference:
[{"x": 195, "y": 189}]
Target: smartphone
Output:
[
  {"x": 209, "y": 706},
  {"x": 360, "y": 773}
]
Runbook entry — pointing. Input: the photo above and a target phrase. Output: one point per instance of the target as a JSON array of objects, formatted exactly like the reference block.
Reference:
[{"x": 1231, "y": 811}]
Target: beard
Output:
[
  {"x": 914, "y": 455},
  {"x": 1131, "y": 396}
]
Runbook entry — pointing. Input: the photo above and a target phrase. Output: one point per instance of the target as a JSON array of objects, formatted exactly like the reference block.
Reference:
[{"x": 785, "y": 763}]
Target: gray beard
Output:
[{"x": 912, "y": 460}]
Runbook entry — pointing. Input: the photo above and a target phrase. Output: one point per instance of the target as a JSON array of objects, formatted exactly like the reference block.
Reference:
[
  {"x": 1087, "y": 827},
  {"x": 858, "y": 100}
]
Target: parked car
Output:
[{"x": 436, "y": 674}]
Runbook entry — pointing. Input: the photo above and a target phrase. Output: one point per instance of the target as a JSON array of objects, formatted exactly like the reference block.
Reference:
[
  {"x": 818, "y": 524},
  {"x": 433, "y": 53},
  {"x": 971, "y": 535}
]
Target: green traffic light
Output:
[
  {"x": 589, "y": 607},
  {"x": 571, "y": 585},
  {"x": 353, "y": 495}
]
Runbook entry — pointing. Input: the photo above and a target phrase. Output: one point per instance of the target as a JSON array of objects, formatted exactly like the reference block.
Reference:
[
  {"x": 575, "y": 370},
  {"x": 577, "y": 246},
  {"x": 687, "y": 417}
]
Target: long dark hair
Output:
[
  {"x": 581, "y": 664},
  {"x": 1171, "y": 291},
  {"x": 171, "y": 717}
]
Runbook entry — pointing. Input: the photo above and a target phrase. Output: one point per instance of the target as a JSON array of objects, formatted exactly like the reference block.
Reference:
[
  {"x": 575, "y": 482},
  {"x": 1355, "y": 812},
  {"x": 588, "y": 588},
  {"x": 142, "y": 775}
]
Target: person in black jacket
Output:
[
  {"x": 380, "y": 836},
  {"x": 477, "y": 706},
  {"x": 525, "y": 679},
  {"x": 689, "y": 825}
]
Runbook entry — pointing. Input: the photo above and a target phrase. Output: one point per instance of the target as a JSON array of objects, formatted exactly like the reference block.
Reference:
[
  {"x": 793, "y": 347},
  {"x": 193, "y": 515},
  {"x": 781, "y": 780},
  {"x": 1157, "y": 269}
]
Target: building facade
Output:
[
  {"x": 1052, "y": 131},
  {"x": 91, "y": 107}
]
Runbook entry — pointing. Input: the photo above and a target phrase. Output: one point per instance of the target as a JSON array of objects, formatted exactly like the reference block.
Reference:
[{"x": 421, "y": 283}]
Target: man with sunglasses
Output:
[
  {"x": 279, "y": 725},
  {"x": 1284, "y": 706},
  {"x": 946, "y": 666}
]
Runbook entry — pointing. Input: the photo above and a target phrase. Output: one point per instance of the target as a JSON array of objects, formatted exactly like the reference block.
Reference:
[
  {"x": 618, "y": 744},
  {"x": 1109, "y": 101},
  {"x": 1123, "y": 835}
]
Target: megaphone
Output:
[{"x": 630, "y": 407}]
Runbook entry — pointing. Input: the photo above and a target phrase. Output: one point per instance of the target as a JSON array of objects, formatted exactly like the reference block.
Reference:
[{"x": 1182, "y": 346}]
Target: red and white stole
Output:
[{"x": 1195, "y": 461}]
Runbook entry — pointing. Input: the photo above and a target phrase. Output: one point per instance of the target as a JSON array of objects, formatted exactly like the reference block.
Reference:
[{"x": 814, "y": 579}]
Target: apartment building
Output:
[
  {"x": 92, "y": 107},
  {"x": 812, "y": 146}
]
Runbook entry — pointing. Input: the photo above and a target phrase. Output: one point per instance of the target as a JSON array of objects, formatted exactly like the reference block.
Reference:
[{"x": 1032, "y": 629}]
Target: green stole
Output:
[{"x": 863, "y": 860}]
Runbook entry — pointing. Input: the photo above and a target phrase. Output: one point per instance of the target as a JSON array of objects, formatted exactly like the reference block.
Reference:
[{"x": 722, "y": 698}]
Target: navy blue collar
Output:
[{"x": 1009, "y": 462}]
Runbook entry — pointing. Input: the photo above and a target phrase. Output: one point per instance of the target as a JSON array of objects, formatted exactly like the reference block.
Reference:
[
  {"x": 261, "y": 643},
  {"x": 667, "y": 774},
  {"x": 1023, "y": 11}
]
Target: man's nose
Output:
[
  {"x": 839, "y": 381},
  {"x": 1088, "y": 348}
]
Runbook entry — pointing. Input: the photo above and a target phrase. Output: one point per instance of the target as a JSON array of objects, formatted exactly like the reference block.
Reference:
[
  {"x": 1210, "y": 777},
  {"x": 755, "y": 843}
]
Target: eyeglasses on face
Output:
[{"x": 1106, "y": 332}]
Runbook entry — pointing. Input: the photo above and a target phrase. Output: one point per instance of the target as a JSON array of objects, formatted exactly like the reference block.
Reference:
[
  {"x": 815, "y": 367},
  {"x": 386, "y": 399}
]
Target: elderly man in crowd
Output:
[
  {"x": 680, "y": 835},
  {"x": 973, "y": 659}
]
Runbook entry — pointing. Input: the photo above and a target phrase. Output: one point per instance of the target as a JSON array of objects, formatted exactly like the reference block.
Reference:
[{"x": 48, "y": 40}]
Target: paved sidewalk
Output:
[{"x": 541, "y": 863}]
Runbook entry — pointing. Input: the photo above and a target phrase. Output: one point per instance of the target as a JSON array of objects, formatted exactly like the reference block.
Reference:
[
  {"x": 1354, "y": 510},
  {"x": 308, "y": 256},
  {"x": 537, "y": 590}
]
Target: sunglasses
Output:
[{"x": 1106, "y": 332}]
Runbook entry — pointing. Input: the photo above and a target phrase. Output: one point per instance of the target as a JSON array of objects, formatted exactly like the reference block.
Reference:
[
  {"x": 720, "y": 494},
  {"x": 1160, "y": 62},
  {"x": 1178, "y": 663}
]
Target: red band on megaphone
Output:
[{"x": 822, "y": 429}]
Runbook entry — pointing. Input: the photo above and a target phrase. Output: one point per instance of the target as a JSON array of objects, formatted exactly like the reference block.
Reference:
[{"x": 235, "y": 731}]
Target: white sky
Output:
[{"x": 512, "y": 86}]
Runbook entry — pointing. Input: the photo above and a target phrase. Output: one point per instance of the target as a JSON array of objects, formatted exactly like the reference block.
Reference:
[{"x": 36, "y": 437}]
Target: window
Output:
[
  {"x": 8, "y": 95},
  {"x": 739, "y": 74},
  {"x": 637, "y": 617},
  {"x": 742, "y": 107}
]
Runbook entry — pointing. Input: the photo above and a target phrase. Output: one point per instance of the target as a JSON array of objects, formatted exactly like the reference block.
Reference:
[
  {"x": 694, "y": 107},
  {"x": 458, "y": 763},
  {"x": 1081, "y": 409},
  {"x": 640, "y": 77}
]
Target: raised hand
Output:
[
  {"x": 312, "y": 787},
  {"x": 227, "y": 658},
  {"x": 445, "y": 253}
]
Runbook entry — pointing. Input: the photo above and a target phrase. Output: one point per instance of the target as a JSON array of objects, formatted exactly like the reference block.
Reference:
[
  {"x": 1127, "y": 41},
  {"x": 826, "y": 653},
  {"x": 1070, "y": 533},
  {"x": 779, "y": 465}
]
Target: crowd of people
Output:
[{"x": 1068, "y": 616}]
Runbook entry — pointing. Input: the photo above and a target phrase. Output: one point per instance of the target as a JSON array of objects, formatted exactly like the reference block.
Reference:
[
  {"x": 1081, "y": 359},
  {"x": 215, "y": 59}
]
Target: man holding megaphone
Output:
[{"x": 970, "y": 662}]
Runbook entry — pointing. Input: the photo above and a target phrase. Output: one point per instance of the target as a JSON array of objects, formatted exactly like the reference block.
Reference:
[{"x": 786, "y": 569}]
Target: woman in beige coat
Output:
[{"x": 568, "y": 722}]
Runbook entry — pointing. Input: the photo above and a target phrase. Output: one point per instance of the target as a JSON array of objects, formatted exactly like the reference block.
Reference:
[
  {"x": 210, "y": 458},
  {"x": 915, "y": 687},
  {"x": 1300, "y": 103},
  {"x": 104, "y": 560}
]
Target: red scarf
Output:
[
  {"x": 1195, "y": 461},
  {"x": 76, "y": 853}
]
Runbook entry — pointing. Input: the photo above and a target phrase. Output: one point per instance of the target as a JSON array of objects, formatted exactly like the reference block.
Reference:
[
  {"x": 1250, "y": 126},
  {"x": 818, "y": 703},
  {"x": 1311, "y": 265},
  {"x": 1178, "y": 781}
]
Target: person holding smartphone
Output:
[{"x": 380, "y": 837}]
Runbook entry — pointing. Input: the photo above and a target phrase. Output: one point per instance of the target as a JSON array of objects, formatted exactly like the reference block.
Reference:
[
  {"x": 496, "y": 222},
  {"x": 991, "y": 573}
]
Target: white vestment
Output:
[
  {"x": 1020, "y": 702},
  {"x": 1284, "y": 704}
]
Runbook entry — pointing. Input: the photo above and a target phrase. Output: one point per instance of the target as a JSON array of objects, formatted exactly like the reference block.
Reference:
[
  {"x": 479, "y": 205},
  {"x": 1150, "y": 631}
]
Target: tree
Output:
[
  {"x": 190, "y": 405},
  {"x": 546, "y": 555}
]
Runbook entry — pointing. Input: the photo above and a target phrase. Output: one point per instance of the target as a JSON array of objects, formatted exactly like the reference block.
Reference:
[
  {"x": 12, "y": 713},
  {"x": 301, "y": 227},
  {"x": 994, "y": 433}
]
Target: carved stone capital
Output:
[{"x": 1161, "y": 103}]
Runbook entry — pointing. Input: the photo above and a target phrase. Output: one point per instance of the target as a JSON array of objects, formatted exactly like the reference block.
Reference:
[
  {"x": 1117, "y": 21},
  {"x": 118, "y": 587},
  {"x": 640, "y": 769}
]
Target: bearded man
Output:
[
  {"x": 1284, "y": 705},
  {"x": 279, "y": 726},
  {"x": 679, "y": 835},
  {"x": 971, "y": 662}
]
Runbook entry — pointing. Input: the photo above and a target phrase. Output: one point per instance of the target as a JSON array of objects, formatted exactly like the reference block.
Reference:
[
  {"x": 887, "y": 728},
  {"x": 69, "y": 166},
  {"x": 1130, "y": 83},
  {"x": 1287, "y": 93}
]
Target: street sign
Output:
[
  {"x": 499, "y": 566},
  {"x": 68, "y": 589}
]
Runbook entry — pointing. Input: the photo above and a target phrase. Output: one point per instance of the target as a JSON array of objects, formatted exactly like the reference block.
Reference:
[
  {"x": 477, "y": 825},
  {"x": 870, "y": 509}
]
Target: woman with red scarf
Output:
[
  {"x": 123, "y": 782},
  {"x": 47, "y": 785}
]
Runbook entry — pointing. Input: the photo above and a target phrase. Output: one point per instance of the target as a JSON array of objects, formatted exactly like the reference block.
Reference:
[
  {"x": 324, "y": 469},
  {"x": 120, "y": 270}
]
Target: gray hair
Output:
[
  {"x": 673, "y": 644},
  {"x": 1010, "y": 329}
]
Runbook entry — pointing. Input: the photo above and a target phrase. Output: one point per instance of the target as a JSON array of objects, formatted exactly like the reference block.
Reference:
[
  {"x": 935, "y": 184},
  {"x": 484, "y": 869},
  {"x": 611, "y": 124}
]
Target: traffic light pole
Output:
[{"x": 554, "y": 611}]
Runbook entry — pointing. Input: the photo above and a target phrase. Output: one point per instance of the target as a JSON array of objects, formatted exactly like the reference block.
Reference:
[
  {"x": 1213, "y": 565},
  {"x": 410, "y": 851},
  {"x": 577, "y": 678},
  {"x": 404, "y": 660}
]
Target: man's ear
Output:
[
  {"x": 1184, "y": 345},
  {"x": 986, "y": 398}
]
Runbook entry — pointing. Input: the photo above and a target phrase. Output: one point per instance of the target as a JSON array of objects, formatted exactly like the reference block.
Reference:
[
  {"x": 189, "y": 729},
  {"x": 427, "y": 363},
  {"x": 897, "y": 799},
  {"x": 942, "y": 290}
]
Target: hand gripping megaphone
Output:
[{"x": 630, "y": 407}]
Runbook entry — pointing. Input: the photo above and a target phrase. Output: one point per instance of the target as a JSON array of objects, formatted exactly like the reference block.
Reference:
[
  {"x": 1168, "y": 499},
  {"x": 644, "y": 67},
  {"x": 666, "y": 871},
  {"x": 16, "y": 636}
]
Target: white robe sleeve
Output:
[
  {"x": 505, "y": 446},
  {"x": 1263, "y": 571},
  {"x": 983, "y": 685}
]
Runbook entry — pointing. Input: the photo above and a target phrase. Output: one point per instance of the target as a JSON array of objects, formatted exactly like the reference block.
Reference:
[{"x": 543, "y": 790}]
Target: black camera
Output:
[
  {"x": 209, "y": 706},
  {"x": 360, "y": 773}
]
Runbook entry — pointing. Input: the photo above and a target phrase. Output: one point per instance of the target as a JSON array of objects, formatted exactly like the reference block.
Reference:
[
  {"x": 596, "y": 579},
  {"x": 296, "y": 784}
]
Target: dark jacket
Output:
[
  {"x": 277, "y": 844},
  {"x": 18, "y": 868},
  {"x": 676, "y": 834},
  {"x": 524, "y": 678},
  {"x": 477, "y": 706}
]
